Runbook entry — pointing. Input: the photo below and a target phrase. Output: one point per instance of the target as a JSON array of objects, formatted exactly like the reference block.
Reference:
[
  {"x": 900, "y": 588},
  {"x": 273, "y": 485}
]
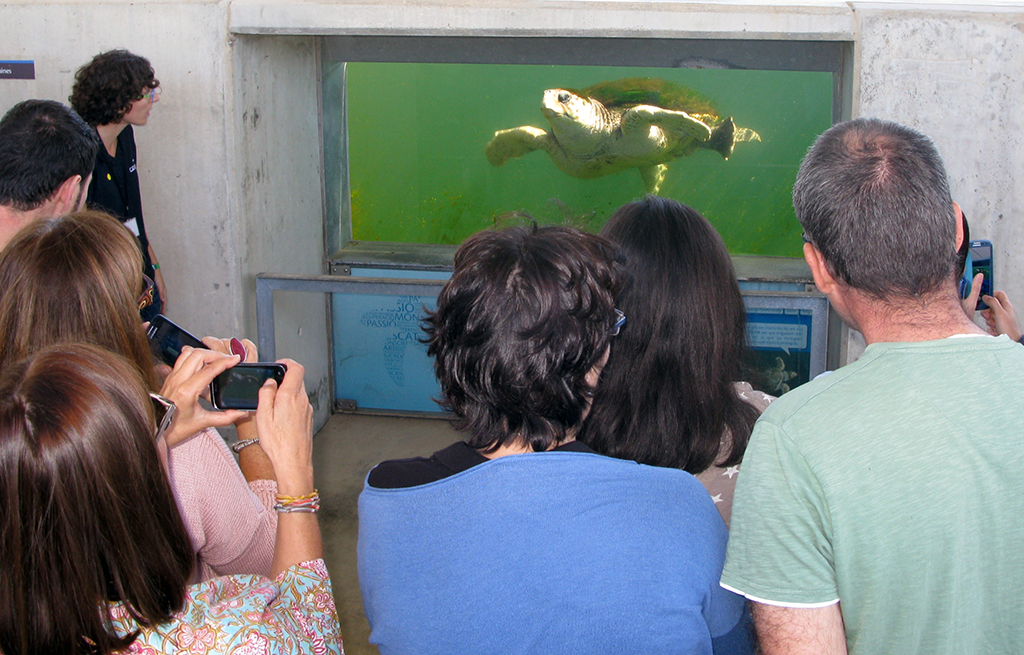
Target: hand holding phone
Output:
[
  {"x": 285, "y": 425},
  {"x": 189, "y": 379},
  {"x": 1001, "y": 317}
]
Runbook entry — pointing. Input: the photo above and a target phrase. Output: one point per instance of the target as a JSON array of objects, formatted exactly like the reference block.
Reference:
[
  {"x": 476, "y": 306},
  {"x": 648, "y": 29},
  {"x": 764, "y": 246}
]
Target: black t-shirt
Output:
[
  {"x": 115, "y": 190},
  {"x": 456, "y": 458}
]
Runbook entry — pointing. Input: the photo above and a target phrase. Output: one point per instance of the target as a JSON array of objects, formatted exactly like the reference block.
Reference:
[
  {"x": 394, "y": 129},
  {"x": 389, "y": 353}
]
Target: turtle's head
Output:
[{"x": 572, "y": 114}]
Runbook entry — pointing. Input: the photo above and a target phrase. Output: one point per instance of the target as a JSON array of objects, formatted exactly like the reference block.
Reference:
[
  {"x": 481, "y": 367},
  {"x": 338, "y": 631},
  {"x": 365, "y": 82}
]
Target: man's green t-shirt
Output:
[{"x": 895, "y": 485}]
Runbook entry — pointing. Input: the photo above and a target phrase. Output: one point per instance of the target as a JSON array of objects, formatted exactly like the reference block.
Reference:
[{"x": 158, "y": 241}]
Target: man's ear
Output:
[
  {"x": 66, "y": 199},
  {"x": 959, "y": 214},
  {"x": 83, "y": 192},
  {"x": 822, "y": 278}
]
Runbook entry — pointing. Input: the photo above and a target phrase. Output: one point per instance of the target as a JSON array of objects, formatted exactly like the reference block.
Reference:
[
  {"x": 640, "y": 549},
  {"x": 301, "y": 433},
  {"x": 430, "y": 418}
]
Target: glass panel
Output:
[
  {"x": 379, "y": 360},
  {"x": 779, "y": 356},
  {"x": 417, "y": 133}
]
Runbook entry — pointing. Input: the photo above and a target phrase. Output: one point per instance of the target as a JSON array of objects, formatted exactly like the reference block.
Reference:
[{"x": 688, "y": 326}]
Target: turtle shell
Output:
[{"x": 632, "y": 91}]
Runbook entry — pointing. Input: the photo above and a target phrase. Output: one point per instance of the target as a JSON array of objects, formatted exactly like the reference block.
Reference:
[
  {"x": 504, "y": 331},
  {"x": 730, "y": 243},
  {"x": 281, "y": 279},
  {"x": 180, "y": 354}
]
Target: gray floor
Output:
[{"x": 344, "y": 451}]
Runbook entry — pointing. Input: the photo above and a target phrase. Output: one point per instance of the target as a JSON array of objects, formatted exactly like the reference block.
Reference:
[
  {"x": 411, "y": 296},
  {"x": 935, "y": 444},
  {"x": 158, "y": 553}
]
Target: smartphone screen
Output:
[
  {"x": 239, "y": 386},
  {"x": 167, "y": 339},
  {"x": 981, "y": 258}
]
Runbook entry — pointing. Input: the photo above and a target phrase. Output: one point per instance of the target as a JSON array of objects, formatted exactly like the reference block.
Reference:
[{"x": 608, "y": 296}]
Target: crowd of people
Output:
[
  {"x": 620, "y": 487},
  {"x": 129, "y": 524}
]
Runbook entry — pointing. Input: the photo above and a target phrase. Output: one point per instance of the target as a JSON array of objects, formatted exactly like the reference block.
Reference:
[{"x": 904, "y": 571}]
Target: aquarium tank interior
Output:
[
  {"x": 408, "y": 120},
  {"x": 430, "y": 139}
]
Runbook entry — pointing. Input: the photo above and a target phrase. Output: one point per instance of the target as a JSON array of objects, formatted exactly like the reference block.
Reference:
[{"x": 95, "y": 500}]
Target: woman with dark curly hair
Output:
[
  {"x": 113, "y": 92},
  {"x": 520, "y": 539}
]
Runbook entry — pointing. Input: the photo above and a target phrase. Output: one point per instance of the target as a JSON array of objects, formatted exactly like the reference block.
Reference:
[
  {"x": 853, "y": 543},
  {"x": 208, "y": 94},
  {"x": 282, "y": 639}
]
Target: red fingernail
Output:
[{"x": 237, "y": 348}]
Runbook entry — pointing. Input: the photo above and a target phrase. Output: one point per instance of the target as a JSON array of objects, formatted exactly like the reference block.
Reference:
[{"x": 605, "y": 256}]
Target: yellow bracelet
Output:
[{"x": 294, "y": 499}]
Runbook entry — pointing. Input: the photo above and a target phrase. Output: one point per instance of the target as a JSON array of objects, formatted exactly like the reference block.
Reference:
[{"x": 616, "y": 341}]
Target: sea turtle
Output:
[
  {"x": 630, "y": 123},
  {"x": 777, "y": 377}
]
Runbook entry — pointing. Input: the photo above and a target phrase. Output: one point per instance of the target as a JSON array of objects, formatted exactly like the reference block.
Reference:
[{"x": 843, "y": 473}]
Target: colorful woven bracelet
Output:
[{"x": 310, "y": 503}]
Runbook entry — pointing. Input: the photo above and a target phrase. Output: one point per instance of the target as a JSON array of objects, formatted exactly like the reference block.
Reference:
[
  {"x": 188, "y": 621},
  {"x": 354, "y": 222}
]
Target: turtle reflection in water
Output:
[{"x": 638, "y": 123}]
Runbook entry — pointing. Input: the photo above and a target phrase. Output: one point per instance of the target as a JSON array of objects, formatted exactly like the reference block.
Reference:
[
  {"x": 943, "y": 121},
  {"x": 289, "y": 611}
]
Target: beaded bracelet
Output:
[{"x": 310, "y": 503}]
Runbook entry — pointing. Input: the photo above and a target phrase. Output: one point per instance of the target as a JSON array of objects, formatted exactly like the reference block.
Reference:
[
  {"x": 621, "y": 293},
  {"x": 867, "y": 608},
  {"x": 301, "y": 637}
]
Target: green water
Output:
[{"x": 417, "y": 170}]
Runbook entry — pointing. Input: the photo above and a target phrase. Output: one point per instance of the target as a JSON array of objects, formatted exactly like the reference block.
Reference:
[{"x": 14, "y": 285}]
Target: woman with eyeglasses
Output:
[
  {"x": 115, "y": 92},
  {"x": 671, "y": 393},
  {"x": 520, "y": 539},
  {"x": 94, "y": 557},
  {"x": 78, "y": 278}
]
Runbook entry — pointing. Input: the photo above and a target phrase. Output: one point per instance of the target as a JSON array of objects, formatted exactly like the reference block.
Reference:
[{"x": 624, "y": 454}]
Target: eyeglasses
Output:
[
  {"x": 619, "y": 322},
  {"x": 807, "y": 239},
  {"x": 149, "y": 93},
  {"x": 146, "y": 297},
  {"x": 163, "y": 410}
]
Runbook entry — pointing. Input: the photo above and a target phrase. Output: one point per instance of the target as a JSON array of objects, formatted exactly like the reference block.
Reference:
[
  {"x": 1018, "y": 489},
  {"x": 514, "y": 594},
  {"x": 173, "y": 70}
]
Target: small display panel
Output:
[{"x": 779, "y": 353}]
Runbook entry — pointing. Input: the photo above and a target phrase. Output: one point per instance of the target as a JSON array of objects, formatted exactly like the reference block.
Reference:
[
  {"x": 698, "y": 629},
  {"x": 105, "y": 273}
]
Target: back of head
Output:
[
  {"x": 666, "y": 396},
  {"x": 42, "y": 144},
  {"x": 72, "y": 278},
  {"x": 106, "y": 87},
  {"x": 872, "y": 196},
  {"x": 89, "y": 514},
  {"x": 523, "y": 319}
]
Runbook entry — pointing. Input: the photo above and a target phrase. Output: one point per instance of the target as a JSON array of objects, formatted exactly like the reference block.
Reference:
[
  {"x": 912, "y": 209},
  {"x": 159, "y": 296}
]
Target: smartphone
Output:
[
  {"x": 239, "y": 386},
  {"x": 981, "y": 262},
  {"x": 167, "y": 339}
]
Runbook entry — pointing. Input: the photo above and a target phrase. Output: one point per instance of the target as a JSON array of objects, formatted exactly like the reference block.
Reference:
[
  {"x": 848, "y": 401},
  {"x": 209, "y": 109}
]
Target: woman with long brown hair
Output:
[
  {"x": 94, "y": 557},
  {"x": 78, "y": 278},
  {"x": 671, "y": 393}
]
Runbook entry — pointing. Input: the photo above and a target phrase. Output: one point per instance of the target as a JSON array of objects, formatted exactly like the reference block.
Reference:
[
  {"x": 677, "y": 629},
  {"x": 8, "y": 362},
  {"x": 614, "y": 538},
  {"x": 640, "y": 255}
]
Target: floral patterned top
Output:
[{"x": 248, "y": 615}]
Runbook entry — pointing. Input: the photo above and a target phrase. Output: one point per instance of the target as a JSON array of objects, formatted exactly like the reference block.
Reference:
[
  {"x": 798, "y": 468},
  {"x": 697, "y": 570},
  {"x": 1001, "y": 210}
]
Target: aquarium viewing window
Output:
[
  {"x": 408, "y": 126},
  {"x": 408, "y": 120}
]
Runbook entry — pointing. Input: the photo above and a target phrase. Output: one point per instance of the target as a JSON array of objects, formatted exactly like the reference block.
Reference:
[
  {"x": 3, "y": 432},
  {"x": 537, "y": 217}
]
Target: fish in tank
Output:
[
  {"x": 416, "y": 136},
  {"x": 610, "y": 127}
]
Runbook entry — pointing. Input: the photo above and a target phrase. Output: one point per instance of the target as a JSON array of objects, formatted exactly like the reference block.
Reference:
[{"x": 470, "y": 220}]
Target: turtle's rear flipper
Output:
[
  {"x": 653, "y": 176},
  {"x": 746, "y": 134},
  {"x": 723, "y": 138}
]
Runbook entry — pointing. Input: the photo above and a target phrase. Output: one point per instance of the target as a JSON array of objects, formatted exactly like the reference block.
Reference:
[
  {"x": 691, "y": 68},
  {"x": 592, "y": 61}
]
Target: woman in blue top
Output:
[
  {"x": 521, "y": 539},
  {"x": 114, "y": 92}
]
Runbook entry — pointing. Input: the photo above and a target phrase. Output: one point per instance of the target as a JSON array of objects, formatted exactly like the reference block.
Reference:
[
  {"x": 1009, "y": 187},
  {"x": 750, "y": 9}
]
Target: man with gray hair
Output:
[
  {"x": 47, "y": 153},
  {"x": 880, "y": 508}
]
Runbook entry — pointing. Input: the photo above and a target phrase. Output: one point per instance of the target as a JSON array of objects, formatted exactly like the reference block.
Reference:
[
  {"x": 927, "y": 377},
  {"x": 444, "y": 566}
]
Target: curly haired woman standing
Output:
[{"x": 114, "y": 92}]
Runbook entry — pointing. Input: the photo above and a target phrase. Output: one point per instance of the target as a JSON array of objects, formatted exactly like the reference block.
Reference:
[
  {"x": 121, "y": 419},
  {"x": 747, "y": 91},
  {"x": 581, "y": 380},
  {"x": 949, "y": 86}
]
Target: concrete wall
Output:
[
  {"x": 230, "y": 161},
  {"x": 184, "y": 154},
  {"x": 278, "y": 190},
  {"x": 956, "y": 76}
]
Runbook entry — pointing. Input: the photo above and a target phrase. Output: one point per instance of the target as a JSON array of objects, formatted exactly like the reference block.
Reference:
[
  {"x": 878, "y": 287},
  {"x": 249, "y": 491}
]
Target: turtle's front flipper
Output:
[
  {"x": 516, "y": 142},
  {"x": 653, "y": 176},
  {"x": 679, "y": 123}
]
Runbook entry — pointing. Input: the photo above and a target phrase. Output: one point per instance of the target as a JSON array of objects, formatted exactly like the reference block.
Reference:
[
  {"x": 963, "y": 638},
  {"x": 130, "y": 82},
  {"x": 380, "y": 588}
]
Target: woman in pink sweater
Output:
[{"x": 78, "y": 278}]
